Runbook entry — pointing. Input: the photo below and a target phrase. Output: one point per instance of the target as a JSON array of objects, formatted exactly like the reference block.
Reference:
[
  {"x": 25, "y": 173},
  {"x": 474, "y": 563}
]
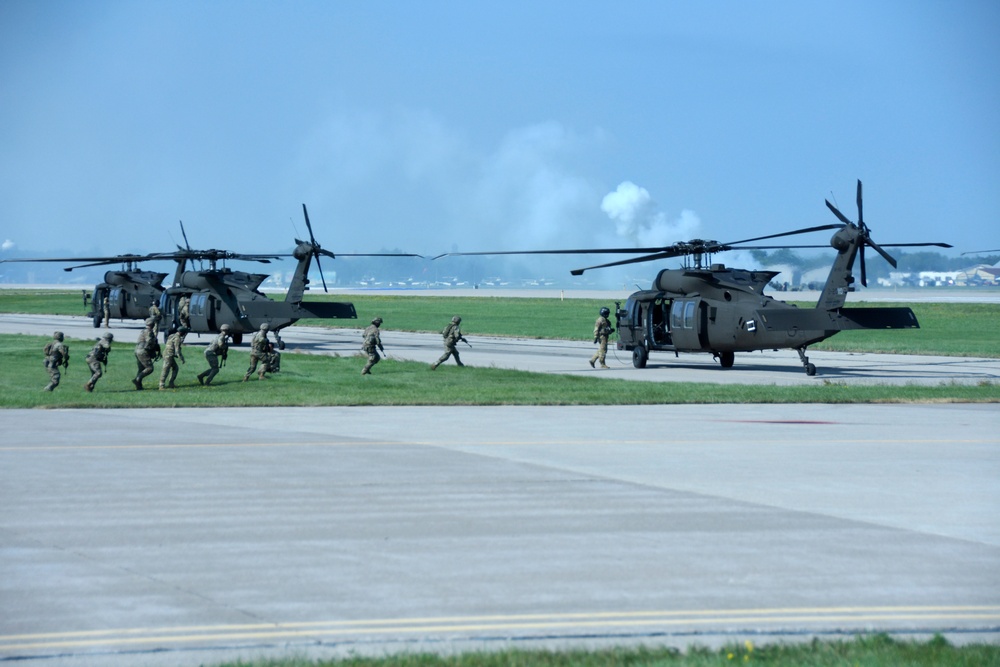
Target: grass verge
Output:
[
  {"x": 312, "y": 380},
  {"x": 878, "y": 649}
]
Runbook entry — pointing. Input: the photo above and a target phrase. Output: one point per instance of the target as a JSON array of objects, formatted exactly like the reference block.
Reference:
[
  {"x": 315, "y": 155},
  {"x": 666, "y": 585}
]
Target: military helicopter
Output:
[
  {"x": 705, "y": 307},
  {"x": 128, "y": 291},
  {"x": 222, "y": 296}
]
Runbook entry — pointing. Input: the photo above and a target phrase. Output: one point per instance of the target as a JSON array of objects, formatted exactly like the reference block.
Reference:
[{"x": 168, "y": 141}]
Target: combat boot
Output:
[
  {"x": 89, "y": 387},
  {"x": 201, "y": 379},
  {"x": 592, "y": 364},
  {"x": 434, "y": 366}
]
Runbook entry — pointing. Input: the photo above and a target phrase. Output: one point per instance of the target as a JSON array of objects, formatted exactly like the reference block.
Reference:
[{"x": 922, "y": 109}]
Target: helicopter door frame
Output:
[{"x": 687, "y": 323}]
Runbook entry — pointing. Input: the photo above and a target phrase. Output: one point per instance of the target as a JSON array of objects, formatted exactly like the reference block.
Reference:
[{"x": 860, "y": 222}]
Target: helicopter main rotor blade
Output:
[
  {"x": 634, "y": 260},
  {"x": 581, "y": 251},
  {"x": 807, "y": 230},
  {"x": 864, "y": 272},
  {"x": 886, "y": 256}
]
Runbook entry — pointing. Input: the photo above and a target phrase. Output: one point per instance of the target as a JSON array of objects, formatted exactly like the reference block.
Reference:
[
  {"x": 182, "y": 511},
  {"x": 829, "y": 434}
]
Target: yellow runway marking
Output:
[{"x": 185, "y": 635}]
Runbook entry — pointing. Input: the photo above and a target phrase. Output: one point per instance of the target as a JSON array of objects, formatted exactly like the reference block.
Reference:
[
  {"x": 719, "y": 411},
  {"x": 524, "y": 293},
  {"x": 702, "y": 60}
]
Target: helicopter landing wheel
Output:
[
  {"x": 727, "y": 359},
  {"x": 639, "y": 357},
  {"x": 810, "y": 369}
]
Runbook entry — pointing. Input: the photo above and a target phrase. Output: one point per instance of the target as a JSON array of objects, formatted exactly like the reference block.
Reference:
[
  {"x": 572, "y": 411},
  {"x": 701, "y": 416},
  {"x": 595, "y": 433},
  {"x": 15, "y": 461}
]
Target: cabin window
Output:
[
  {"x": 689, "y": 315},
  {"x": 677, "y": 315}
]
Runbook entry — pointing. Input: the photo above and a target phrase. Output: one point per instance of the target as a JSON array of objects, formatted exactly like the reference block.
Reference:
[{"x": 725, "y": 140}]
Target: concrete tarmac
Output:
[{"x": 192, "y": 536}]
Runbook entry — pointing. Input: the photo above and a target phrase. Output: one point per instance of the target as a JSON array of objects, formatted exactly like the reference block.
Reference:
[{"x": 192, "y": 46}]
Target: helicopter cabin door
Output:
[
  {"x": 687, "y": 323},
  {"x": 202, "y": 311}
]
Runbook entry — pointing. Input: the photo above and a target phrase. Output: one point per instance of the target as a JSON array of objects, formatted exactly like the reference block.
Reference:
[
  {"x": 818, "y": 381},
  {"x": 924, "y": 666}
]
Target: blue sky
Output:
[{"x": 439, "y": 126}]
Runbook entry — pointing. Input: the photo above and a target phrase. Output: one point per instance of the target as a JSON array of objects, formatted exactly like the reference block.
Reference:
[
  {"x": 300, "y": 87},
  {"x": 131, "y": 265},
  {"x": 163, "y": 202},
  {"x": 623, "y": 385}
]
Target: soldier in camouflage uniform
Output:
[
  {"x": 452, "y": 336},
  {"x": 219, "y": 347},
  {"x": 602, "y": 329},
  {"x": 106, "y": 308},
  {"x": 259, "y": 349},
  {"x": 147, "y": 349},
  {"x": 56, "y": 355},
  {"x": 172, "y": 349},
  {"x": 154, "y": 314},
  {"x": 184, "y": 311},
  {"x": 97, "y": 358},
  {"x": 371, "y": 344}
]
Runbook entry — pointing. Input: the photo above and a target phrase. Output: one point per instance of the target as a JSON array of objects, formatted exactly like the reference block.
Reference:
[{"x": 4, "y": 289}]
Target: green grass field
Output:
[
  {"x": 965, "y": 330},
  {"x": 875, "y": 650}
]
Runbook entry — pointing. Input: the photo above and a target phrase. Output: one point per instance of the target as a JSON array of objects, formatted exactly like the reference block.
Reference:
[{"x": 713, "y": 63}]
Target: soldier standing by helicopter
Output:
[
  {"x": 172, "y": 349},
  {"x": 184, "y": 311},
  {"x": 259, "y": 349},
  {"x": 154, "y": 314},
  {"x": 97, "y": 358},
  {"x": 452, "y": 335},
  {"x": 602, "y": 329},
  {"x": 147, "y": 349},
  {"x": 56, "y": 355},
  {"x": 217, "y": 348},
  {"x": 371, "y": 344}
]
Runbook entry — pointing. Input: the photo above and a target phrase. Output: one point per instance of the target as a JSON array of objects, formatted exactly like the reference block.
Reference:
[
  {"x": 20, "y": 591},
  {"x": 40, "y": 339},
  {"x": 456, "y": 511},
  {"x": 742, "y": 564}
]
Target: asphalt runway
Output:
[
  {"x": 781, "y": 367},
  {"x": 192, "y": 536}
]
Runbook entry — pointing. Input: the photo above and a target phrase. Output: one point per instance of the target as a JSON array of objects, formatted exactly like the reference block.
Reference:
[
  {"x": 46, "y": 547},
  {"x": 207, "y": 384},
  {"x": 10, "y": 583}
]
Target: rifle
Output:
[{"x": 465, "y": 341}]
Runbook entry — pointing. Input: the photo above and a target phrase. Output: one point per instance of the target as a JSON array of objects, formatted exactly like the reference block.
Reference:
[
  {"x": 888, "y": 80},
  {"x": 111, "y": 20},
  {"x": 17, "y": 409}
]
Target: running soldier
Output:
[
  {"x": 173, "y": 349},
  {"x": 372, "y": 344},
  {"x": 259, "y": 349},
  {"x": 218, "y": 348},
  {"x": 97, "y": 360},
  {"x": 452, "y": 335},
  {"x": 602, "y": 329},
  {"x": 56, "y": 355},
  {"x": 147, "y": 350}
]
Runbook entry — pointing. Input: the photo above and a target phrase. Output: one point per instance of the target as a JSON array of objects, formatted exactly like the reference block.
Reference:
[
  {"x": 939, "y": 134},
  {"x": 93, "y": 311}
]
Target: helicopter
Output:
[
  {"x": 221, "y": 296},
  {"x": 128, "y": 291},
  {"x": 218, "y": 295},
  {"x": 711, "y": 308}
]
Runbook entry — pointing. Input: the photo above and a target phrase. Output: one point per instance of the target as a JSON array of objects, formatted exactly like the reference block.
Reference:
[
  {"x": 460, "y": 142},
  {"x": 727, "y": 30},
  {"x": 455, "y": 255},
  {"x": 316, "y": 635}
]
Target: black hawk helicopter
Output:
[
  {"x": 706, "y": 307},
  {"x": 128, "y": 291},
  {"x": 218, "y": 295}
]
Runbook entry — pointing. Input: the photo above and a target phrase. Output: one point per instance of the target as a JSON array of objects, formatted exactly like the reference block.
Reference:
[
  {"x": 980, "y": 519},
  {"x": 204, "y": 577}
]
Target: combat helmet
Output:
[
  {"x": 150, "y": 321},
  {"x": 605, "y": 312},
  {"x": 110, "y": 336},
  {"x": 224, "y": 328},
  {"x": 377, "y": 321},
  {"x": 58, "y": 336},
  {"x": 265, "y": 326},
  {"x": 456, "y": 319}
]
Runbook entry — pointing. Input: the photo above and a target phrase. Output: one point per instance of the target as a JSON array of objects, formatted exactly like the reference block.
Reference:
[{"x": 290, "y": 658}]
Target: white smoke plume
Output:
[
  {"x": 7, "y": 245},
  {"x": 639, "y": 219}
]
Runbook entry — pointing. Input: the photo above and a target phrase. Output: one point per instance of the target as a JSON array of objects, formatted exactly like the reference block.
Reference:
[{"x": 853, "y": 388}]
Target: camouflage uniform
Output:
[
  {"x": 259, "y": 349},
  {"x": 97, "y": 358},
  {"x": 218, "y": 348},
  {"x": 56, "y": 355},
  {"x": 371, "y": 345},
  {"x": 106, "y": 308},
  {"x": 146, "y": 349},
  {"x": 602, "y": 329},
  {"x": 184, "y": 311},
  {"x": 154, "y": 314},
  {"x": 172, "y": 349},
  {"x": 452, "y": 335}
]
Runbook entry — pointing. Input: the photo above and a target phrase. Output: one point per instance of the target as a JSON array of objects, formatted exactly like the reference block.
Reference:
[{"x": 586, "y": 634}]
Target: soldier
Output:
[
  {"x": 602, "y": 329},
  {"x": 98, "y": 357},
  {"x": 372, "y": 344},
  {"x": 106, "y": 308},
  {"x": 173, "y": 348},
  {"x": 184, "y": 311},
  {"x": 259, "y": 346},
  {"x": 56, "y": 355},
  {"x": 154, "y": 314},
  {"x": 452, "y": 335},
  {"x": 147, "y": 350},
  {"x": 218, "y": 348}
]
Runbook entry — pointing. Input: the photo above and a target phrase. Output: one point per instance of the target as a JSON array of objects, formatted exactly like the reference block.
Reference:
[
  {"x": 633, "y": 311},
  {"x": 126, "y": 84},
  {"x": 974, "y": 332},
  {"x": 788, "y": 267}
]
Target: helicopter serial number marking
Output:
[{"x": 166, "y": 636}]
